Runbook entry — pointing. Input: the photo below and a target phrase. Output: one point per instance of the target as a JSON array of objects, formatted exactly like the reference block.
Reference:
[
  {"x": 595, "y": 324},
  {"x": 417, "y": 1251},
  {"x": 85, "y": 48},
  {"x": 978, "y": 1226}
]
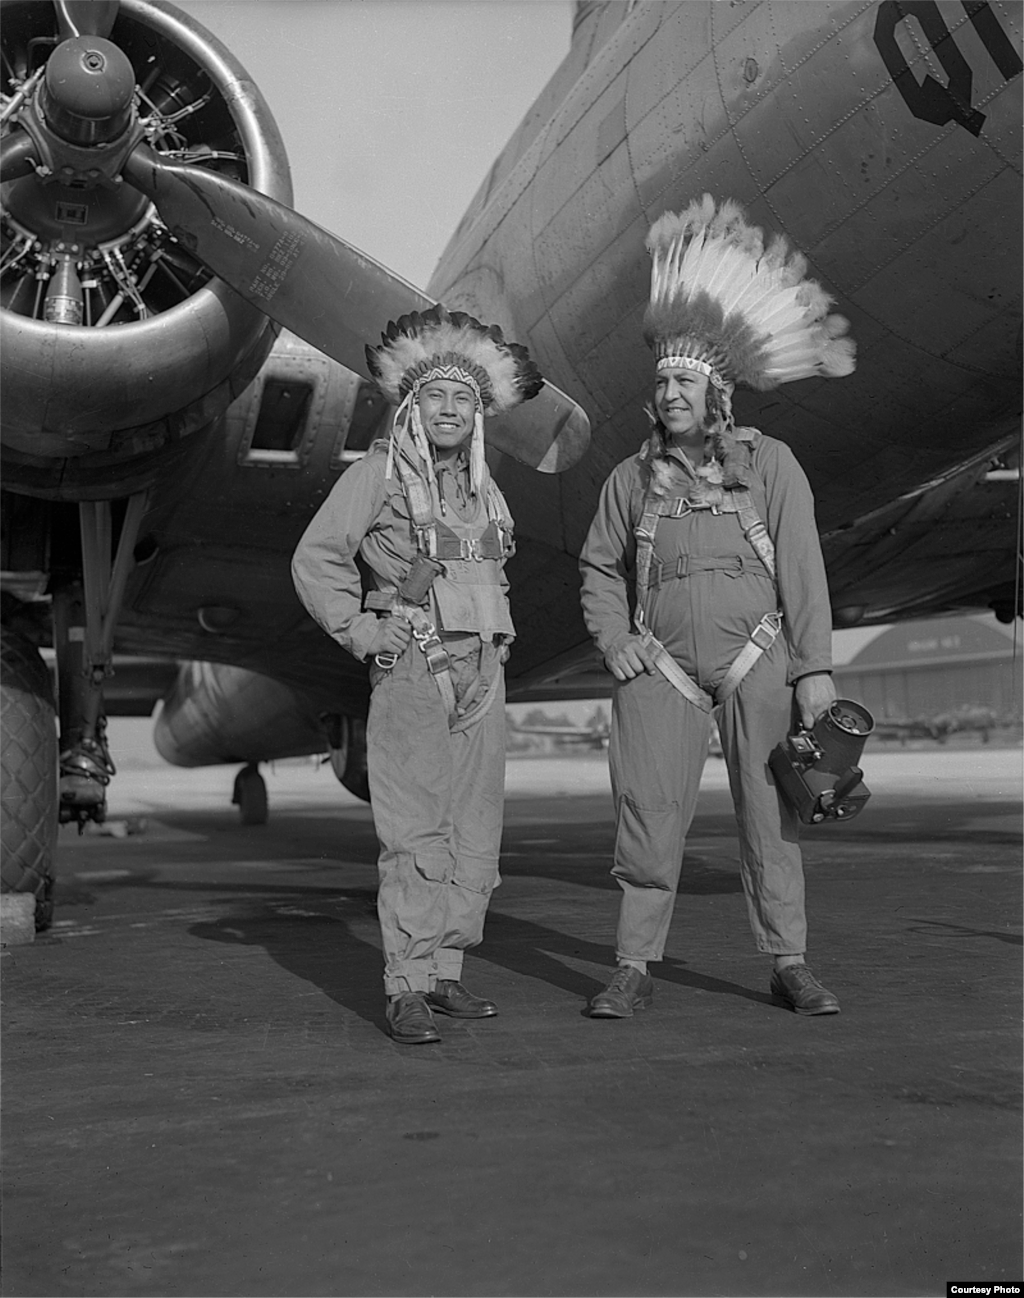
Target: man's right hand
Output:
[
  {"x": 393, "y": 636},
  {"x": 630, "y": 659}
]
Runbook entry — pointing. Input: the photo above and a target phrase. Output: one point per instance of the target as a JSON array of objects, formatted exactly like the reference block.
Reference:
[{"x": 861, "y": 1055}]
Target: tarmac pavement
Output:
[{"x": 199, "y": 1097}]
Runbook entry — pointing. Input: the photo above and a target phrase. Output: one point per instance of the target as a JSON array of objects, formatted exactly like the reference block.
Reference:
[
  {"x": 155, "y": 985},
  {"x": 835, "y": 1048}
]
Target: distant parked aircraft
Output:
[{"x": 940, "y": 727}]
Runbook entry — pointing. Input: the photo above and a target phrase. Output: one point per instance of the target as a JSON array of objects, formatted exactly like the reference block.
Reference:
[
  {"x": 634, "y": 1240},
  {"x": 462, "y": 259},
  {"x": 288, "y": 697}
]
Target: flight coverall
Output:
[
  {"x": 436, "y": 788},
  {"x": 709, "y": 592}
]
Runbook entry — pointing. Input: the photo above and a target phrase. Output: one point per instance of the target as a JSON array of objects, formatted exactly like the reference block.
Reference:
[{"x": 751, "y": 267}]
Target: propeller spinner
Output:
[{"x": 87, "y": 91}]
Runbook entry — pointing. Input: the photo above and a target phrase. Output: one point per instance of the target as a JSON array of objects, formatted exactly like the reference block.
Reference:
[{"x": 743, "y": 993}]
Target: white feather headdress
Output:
[{"x": 724, "y": 304}]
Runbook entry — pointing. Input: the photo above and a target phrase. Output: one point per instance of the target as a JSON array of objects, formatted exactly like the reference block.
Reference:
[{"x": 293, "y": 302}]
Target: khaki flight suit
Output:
[
  {"x": 712, "y": 591},
  {"x": 437, "y": 789}
]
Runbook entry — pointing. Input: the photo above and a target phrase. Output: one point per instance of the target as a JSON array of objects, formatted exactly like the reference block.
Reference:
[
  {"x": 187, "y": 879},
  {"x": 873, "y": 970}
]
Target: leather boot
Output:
[
  {"x": 628, "y": 990},
  {"x": 798, "y": 987},
  {"x": 451, "y": 998},
  {"x": 410, "y": 1021}
]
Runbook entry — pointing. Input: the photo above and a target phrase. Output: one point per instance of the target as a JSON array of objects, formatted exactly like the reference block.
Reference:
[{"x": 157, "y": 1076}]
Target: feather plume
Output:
[
  {"x": 423, "y": 342},
  {"x": 721, "y": 296}
]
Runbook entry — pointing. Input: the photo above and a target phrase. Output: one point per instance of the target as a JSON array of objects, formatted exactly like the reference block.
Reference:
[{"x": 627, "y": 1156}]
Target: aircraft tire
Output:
[
  {"x": 348, "y": 760},
  {"x": 28, "y": 774},
  {"x": 250, "y": 795}
]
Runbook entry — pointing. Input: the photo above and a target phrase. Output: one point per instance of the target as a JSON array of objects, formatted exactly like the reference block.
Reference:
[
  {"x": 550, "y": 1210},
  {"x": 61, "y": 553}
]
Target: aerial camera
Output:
[{"x": 817, "y": 769}]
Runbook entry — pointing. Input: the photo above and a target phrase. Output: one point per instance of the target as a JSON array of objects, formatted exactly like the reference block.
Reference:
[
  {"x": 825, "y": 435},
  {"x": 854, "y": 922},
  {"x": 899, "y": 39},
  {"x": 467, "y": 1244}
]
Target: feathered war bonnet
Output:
[
  {"x": 437, "y": 344},
  {"x": 724, "y": 305}
]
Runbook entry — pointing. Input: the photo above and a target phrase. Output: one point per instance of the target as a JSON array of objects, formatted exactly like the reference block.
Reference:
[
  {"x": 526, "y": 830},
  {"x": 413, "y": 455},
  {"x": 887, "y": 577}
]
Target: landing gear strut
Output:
[{"x": 84, "y": 616}]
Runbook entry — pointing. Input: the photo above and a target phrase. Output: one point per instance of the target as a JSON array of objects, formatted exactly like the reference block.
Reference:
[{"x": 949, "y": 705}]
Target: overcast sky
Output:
[{"x": 392, "y": 111}]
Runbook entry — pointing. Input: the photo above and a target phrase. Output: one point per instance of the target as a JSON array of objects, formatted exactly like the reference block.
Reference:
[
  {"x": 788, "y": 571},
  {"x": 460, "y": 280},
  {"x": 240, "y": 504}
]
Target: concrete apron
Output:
[{"x": 200, "y": 1099}]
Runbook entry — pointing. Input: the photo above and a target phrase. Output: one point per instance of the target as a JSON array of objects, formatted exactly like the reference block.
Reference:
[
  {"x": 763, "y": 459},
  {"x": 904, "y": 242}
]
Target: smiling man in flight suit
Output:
[
  {"x": 704, "y": 589},
  {"x": 434, "y": 532}
]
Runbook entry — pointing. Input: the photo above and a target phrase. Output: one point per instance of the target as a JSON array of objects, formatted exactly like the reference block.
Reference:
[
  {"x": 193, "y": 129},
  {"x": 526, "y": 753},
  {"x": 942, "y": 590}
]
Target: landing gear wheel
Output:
[
  {"x": 250, "y": 795},
  {"x": 28, "y": 774},
  {"x": 346, "y": 737}
]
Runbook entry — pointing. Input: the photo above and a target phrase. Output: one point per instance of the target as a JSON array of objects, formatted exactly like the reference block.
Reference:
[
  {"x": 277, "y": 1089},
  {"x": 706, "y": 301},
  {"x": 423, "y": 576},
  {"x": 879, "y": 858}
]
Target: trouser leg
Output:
[
  {"x": 478, "y": 801},
  {"x": 751, "y": 722},
  {"x": 410, "y": 771},
  {"x": 658, "y": 747},
  {"x": 437, "y": 802}
]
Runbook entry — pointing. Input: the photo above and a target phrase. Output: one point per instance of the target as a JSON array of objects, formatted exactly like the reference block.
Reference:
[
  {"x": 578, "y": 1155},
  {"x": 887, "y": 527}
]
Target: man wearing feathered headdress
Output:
[
  {"x": 704, "y": 588},
  {"x": 433, "y": 531}
]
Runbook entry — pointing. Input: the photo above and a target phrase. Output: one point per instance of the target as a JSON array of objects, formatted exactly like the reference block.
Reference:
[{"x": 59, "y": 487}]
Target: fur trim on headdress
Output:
[
  {"x": 440, "y": 344},
  {"x": 721, "y": 299}
]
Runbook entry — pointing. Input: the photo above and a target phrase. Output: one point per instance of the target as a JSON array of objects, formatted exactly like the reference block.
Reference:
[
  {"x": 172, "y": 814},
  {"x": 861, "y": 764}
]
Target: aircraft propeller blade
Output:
[
  {"x": 324, "y": 290},
  {"x": 85, "y": 17},
  {"x": 292, "y": 270}
]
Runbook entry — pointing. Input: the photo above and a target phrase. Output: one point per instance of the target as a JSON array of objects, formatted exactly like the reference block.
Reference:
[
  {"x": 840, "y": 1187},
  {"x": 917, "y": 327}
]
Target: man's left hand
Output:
[{"x": 814, "y": 695}]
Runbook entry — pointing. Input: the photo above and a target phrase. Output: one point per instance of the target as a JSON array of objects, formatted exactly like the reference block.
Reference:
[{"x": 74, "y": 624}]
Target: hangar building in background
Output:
[{"x": 937, "y": 667}]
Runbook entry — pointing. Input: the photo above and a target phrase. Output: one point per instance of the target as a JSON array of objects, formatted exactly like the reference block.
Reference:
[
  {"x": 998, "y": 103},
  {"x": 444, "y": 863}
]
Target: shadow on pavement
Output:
[{"x": 318, "y": 946}]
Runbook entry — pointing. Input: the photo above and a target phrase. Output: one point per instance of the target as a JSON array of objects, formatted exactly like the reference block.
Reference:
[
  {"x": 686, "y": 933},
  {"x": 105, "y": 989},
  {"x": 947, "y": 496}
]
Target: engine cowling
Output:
[
  {"x": 217, "y": 714},
  {"x": 117, "y": 344}
]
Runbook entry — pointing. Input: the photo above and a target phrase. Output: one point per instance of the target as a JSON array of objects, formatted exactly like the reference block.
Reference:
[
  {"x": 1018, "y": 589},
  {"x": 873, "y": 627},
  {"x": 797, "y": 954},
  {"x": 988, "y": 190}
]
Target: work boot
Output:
[
  {"x": 410, "y": 1021},
  {"x": 628, "y": 990},
  {"x": 451, "y": 998},
  {"x": 798, "y": 987}
]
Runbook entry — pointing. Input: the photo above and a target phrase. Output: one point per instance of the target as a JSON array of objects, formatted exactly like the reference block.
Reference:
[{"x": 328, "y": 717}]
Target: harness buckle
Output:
[
  {"x": 432, "y": 649},
  {"x": 764, "y": 634},
  {"x": 426, "y": 539},
  {"x": 469, "y": 548}
]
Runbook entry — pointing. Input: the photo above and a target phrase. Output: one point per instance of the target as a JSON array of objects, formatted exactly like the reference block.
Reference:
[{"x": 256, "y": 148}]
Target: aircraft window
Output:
[
  {"x": 365, "y": 422},
  {"x": 282, "y": 419}
]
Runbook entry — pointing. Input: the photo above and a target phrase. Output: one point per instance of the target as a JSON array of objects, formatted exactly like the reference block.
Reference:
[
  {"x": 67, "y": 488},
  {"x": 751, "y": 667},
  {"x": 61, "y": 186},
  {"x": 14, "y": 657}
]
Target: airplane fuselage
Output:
[{"x": 884, "y": 141}]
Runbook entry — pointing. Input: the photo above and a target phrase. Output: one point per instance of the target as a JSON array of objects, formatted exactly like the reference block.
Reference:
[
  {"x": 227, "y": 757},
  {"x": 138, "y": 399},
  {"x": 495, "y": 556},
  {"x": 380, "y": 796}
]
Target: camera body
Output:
[{"x": 817, "y": 769}]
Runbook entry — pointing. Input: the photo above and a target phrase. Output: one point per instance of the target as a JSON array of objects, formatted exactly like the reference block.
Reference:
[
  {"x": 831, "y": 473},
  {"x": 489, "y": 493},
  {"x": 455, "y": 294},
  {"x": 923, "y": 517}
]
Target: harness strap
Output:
[
  {"x": 685, "y": 564},
  {"x": 650, "y": 575},
  {"x": 761, "y": 639},
  {"x": 425, "y": 525},
  {"x": 429, "y": 643},
  {"x": 499, "y": 515},
  {"x": 421, "y": 507},
  {"x": 424, "y": 521},
  {"x": 438, "y": 660},
  {"x": 490, "y": 545},
  {"x": 644, "y": 531},
  {"x": 675, "y": 675},
  {"x": 754, "y": 530},
  {"x": 438, "y": 663},
  {"x": 481, "y": 707}
]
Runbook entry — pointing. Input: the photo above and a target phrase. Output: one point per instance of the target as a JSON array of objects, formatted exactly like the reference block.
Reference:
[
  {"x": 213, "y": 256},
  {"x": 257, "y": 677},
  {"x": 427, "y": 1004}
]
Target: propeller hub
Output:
[{"x": 88, "y": 91}]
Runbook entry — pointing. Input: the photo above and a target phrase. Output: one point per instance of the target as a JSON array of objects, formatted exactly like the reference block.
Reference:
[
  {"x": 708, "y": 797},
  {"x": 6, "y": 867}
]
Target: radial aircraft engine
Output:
[{"x": 148, "y": 256}]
